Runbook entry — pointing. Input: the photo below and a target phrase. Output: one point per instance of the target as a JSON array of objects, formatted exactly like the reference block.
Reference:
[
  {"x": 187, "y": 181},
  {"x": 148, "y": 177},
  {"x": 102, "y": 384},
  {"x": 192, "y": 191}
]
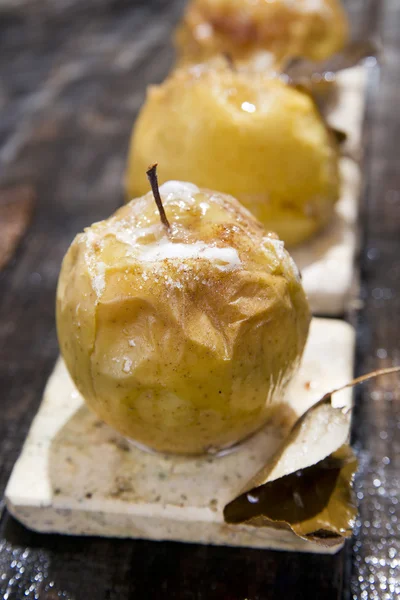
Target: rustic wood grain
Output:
[
  {"x": 372, "y": 569},
  {"x": 73, "y": 75},
  {"x": 16, "y": 206}
]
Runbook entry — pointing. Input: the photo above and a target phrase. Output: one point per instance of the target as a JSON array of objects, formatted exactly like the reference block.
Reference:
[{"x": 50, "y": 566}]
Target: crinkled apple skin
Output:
[
  {"x": 302, "y": 28},
  {"x": 182, "y": 355},
  {"x": 251, "y": 136}
]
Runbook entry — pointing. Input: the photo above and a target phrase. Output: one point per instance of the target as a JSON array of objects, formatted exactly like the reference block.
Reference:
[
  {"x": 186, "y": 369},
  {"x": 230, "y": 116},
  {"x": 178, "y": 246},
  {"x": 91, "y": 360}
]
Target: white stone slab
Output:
[
  {"x": 347, "y": 113},
  {"x": 327, "y": 261},
  {"x": 77, "y": 476}
]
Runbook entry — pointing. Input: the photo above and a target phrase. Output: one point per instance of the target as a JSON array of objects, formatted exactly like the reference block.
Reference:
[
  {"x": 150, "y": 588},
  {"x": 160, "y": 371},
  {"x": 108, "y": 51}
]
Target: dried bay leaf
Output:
[
  {"x": 339, "y": 135},
  {"x": 307, "y": 485},
  {"x": 303, "y": 70},
  {"x": 316, "y": 503}
]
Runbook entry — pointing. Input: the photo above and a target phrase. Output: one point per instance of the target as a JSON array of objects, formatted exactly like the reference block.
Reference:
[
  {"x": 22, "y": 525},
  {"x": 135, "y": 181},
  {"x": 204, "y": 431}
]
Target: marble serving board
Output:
[
  {"x": 327, "y": 262},
  {"x": 77, "y": 476}
]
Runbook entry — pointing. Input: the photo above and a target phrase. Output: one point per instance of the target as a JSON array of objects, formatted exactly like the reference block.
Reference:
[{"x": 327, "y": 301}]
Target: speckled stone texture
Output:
[{"x": 77, "y": 476}]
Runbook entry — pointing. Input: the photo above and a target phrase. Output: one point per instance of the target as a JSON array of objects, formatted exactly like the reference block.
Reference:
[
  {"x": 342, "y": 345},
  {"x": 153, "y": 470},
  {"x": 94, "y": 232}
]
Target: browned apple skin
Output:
[
  {"x": 241, "y": 28},
  {"x": 183, "y": 356}
]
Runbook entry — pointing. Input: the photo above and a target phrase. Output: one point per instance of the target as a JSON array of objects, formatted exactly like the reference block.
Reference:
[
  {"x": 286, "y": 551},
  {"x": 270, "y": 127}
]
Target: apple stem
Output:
[
  {"x": 230, "y": 61},
  {"x": 152, "y": 177}
]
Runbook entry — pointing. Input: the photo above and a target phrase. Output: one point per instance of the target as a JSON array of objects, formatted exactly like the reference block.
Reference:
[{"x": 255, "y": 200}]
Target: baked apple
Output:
[
  {"x": 313, "y": 29},
  {"x": 181, "y": 334},
  {"x": 248, "y": 135}
]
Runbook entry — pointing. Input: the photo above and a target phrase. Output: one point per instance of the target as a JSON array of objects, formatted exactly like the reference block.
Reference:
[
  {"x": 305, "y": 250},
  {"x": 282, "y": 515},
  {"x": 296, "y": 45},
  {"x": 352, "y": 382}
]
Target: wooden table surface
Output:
[{"x": 72, "y": 77}]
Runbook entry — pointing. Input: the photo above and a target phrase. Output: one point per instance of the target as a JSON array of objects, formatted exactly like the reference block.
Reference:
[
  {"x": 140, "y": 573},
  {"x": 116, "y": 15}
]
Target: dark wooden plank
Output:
[
  {"x": 73, "y": 75},
  {"x": 373, "y": 560},
  {"x": 83, "y": 568}
]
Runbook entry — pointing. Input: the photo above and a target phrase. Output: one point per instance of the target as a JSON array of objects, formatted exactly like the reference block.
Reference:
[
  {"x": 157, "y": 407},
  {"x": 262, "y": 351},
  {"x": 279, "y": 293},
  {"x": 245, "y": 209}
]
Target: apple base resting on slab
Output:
[{"x": 77, "y": 476}]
